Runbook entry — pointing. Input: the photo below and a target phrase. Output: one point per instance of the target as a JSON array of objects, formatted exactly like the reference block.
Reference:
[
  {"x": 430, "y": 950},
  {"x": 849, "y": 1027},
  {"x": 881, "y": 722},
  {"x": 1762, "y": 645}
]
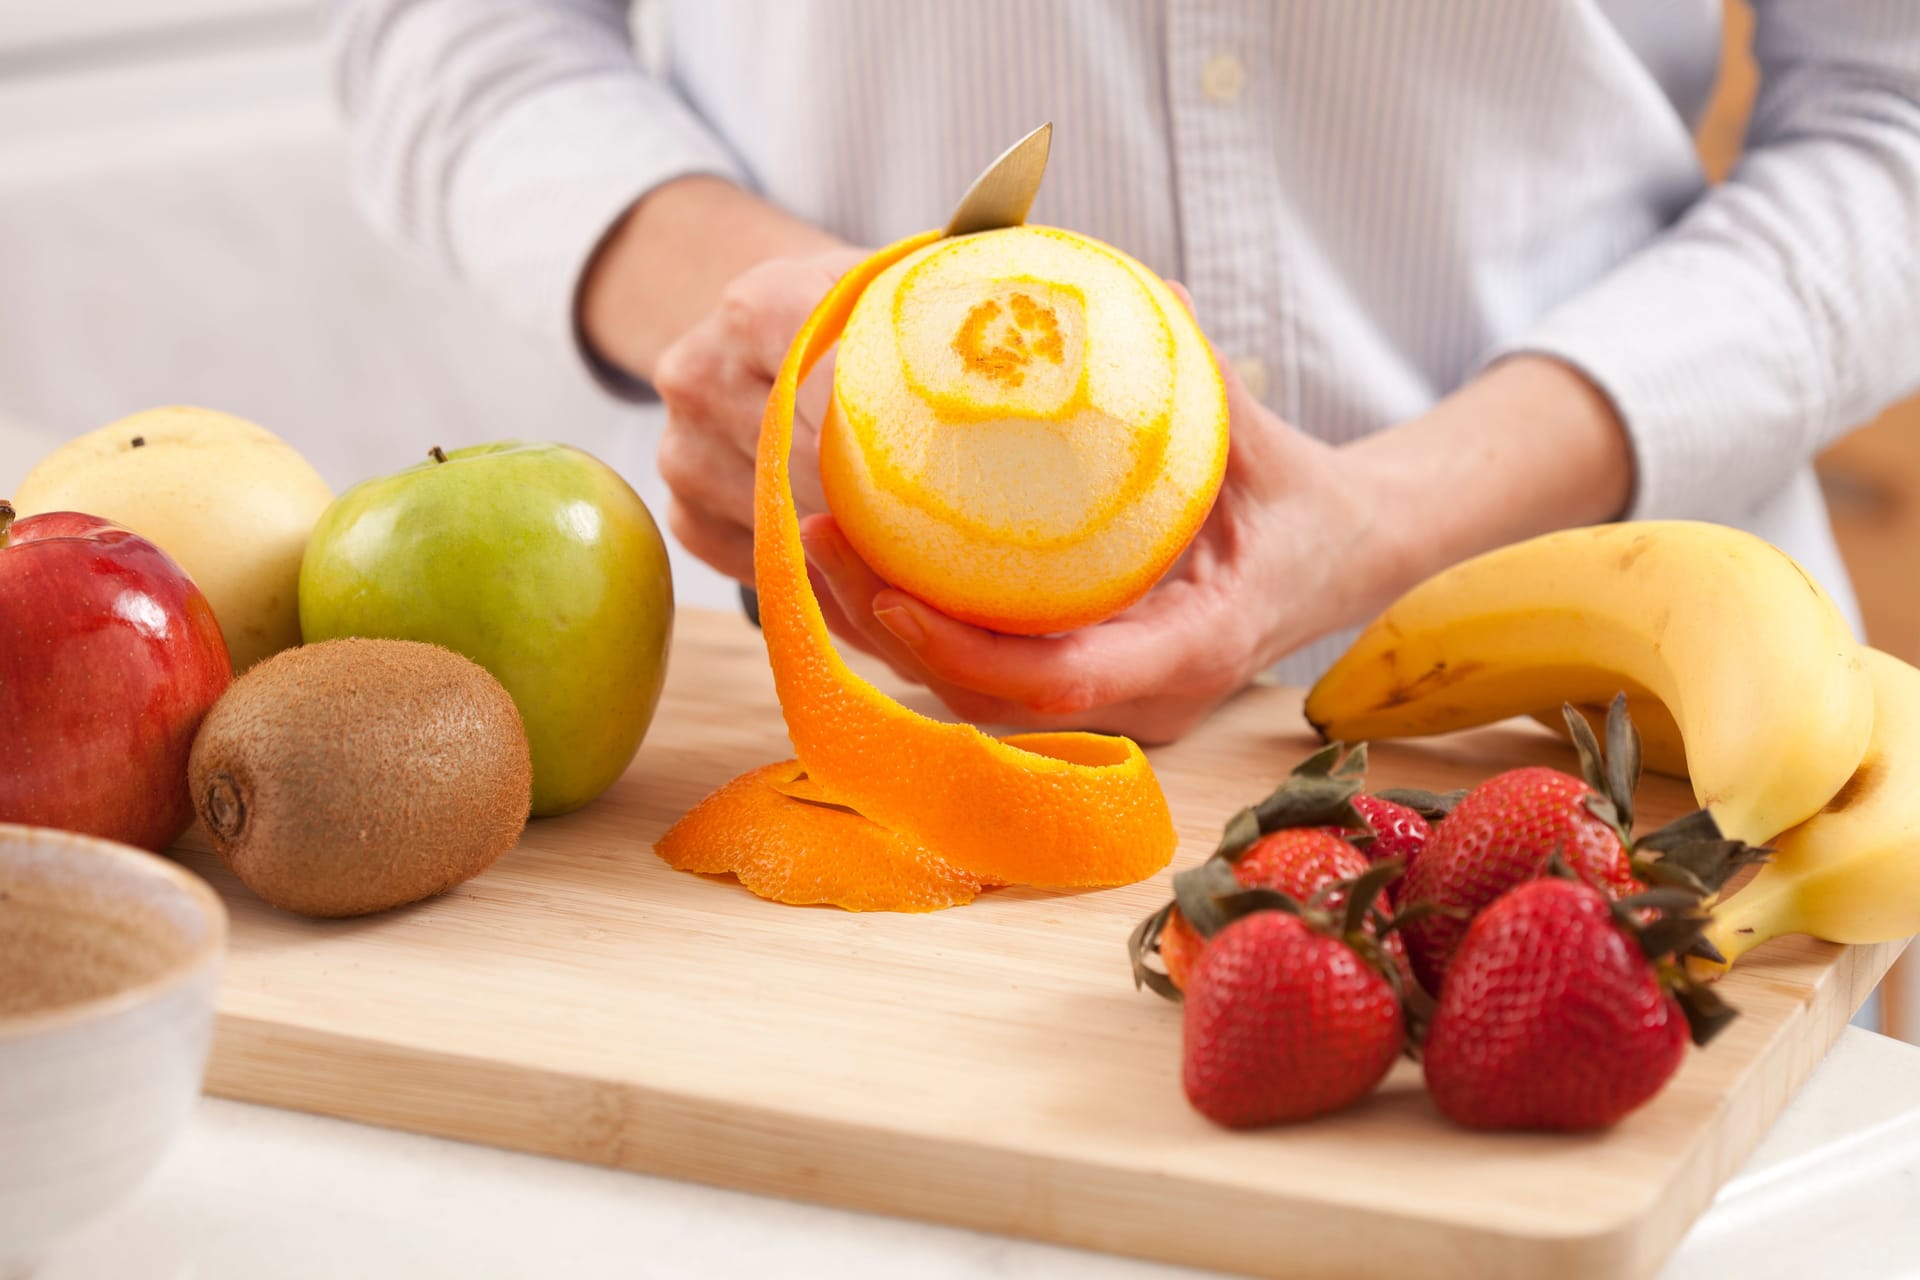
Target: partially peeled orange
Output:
[{"x": 1027, "y": 430}]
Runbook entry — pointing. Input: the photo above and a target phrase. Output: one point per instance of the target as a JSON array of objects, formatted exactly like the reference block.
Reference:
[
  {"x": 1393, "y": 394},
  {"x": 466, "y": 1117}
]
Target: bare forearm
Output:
[
  {"x": 664, "y": 267},
  {"x": 1527, "y": 447}
]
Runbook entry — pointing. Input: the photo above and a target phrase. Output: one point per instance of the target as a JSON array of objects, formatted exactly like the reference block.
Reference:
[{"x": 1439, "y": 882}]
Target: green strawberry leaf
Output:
[
  {"x": 1690, "y": 852},
  {"x": 1431, "y": 805},
  {"x": 1145, "y": 941},
  {"x": 1623, "y": 759},
  {"x": 1586, "y": 746},
  {"x": 1322, "y": 761},
  {"x": 1668, "y": 935},
  {"x": 1707, "y": 1014},
  {"x": 1234, "y": 906},
  {"x": 1318, "y": 792},
  {"x": 1241, "y": 833},
  {"x": 1420, "y": 910},
  {"x": 1613, "y": 774},
  {"x": 1198, "y": 891},
  {"x": 1363, "y": 892}
]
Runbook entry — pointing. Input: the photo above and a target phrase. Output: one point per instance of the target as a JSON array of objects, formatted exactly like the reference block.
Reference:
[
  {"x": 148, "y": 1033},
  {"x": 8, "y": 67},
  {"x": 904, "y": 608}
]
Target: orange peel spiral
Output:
[{"x": 884, "y": 808}]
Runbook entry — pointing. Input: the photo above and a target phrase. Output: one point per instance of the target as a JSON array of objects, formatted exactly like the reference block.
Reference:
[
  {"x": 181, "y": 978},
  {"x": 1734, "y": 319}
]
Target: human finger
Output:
[{"x": 722, "y": 543}]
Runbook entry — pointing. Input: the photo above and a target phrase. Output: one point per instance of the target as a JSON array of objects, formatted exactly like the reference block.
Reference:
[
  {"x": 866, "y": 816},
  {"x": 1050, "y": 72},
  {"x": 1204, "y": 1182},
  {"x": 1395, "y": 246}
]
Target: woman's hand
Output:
[
  {"x": 698, "y": 290},
  {"x": 1292, "y": 549},
  {"x": 715, "y": 380}
]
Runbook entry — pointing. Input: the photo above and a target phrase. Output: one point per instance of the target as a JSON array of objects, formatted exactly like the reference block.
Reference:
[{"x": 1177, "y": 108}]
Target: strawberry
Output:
[
  {"x": 1296, "y": 861},
  {"x": 1501, "y": 835},
  {"x": 1563, "y": 1009},
  {"x": 1398, "y": 831},
  {"x": 1285, "y": 1018},
  {"x": 1293, "y": 842}
]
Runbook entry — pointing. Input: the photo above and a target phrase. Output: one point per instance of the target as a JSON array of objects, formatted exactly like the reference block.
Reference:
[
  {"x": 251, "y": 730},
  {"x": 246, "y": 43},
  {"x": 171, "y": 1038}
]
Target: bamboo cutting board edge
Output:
[
  {"x": 862, "y": 1167},
  {"x": 425, "y": 1066}
]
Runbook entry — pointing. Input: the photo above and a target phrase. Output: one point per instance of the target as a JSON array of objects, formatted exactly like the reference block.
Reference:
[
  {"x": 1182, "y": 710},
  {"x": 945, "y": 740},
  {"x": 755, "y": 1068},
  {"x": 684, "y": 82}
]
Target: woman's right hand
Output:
[{"x": 715, "y": 380}]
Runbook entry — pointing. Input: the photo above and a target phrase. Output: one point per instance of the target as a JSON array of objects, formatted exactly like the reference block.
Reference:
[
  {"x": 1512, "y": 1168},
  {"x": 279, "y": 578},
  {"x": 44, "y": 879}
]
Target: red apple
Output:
[{"x": 109, "y": 659}]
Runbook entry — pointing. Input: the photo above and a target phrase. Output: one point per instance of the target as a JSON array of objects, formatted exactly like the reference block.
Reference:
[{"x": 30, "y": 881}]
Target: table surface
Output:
[
  {"x": 583, "y": 1000},
  {"x": 252, "y": 1193}
]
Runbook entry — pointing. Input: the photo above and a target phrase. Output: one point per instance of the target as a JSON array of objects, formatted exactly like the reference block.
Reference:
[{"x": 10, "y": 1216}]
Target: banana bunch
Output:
[
  {"x": 1753, "y": 662},
  {"x": 1850, "y": 873},
  {"x": 1740, "y": 672}
]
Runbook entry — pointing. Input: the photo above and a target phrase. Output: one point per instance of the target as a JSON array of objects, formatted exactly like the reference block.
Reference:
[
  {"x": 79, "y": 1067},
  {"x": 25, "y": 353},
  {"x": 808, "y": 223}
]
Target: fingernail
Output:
[{"x": 905, "y": 627}]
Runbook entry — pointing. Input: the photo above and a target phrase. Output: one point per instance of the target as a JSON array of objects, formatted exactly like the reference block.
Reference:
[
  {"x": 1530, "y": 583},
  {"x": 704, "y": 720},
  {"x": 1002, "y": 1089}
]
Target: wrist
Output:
[
  {"x": 1334, "y": 550},
  {"x": 665, "y": 263},
  {"x": 1529, "y": 446}
]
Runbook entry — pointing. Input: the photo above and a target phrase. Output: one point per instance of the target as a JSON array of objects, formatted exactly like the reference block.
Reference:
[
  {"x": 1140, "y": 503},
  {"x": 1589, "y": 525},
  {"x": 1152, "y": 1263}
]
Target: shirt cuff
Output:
[
  {"x": 537, "y": 191},
  {"x": 1703, "y": 362}
]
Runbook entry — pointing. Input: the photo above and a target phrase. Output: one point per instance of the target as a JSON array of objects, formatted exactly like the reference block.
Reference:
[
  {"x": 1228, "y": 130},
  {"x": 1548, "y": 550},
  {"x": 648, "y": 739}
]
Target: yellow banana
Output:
[
  {"x": 1850, "y": 873},
  {"x": 1758, "y": 669}
]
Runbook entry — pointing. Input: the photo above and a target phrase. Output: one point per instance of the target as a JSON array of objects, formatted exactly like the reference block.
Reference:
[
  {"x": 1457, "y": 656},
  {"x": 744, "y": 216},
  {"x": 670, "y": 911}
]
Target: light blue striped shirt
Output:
[{"x": 1369, "y": 199}]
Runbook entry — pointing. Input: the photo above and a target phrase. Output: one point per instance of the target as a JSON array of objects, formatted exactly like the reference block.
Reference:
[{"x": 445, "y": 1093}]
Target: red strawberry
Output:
[
  {"x": 1554, "y": 1014},
  {"x": 1292, "y": 842},
  {"x": 1283, "y": 1022},
  {"x": 1500, "y": 835},
  {"x": 1398, "y": 832},
  {"x": 1297, "y": 861}
]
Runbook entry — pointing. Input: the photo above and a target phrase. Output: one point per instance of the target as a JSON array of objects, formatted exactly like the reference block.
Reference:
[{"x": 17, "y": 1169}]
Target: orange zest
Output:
[{"x": 884, "y": 808}]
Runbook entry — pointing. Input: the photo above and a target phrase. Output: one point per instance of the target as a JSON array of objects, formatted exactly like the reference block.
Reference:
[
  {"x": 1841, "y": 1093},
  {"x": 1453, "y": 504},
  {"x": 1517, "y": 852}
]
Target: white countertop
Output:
[{"x": 252, "y": 1193}]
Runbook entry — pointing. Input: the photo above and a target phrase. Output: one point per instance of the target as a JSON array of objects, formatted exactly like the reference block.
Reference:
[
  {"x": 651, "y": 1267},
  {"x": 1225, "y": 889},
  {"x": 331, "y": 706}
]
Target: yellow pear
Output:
[{"x": 231, "y": 502}]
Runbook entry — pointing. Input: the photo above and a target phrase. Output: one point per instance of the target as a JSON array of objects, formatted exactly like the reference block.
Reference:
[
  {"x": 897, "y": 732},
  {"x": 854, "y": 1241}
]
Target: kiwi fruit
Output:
[{"x": 351, "y": 776}]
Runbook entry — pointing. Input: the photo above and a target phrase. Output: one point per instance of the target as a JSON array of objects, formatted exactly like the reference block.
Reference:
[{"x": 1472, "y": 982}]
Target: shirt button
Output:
[
  {"x": 1253, "y": 372},
  {"x": 1223, "y": 78}
]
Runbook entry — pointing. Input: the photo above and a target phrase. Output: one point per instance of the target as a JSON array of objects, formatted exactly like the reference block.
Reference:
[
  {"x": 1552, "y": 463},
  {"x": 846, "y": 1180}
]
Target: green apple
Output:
[
  {"x": 230, "y": 502},
  {"x": 535, "y": 560}
]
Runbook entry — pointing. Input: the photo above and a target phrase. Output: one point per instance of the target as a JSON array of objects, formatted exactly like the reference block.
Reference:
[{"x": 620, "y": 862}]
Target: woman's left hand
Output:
[{"x": 1293, "y": 548}]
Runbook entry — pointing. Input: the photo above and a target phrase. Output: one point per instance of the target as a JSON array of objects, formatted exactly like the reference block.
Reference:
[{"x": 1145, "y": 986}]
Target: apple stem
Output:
[
  {"x": 7, "y": 514},
  {"x": 437, "y": 454}
]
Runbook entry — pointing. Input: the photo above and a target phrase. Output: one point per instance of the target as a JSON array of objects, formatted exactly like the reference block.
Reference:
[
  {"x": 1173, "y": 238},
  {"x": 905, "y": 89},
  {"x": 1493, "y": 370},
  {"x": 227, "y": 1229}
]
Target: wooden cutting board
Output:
[{"x": 989, "y": 1066}]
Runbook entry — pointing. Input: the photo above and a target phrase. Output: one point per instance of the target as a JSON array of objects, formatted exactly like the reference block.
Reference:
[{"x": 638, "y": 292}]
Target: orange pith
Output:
[{"x": 898, "y": 811}]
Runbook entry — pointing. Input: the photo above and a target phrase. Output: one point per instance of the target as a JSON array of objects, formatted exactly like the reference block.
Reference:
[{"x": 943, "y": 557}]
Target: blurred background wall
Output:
[{"x": 175, "y": 226}]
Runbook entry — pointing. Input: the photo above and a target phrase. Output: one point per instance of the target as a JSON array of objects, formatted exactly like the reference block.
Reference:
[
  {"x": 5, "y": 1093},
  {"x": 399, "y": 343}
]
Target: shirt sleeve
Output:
[
  {"x": 1782, "y": 308},
  {"x": 505, "y": 138}
]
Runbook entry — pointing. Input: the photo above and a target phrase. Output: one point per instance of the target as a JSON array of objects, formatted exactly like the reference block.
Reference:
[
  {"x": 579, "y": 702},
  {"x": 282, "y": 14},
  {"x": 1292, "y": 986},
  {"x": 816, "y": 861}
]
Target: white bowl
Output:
[{"x": 108, "y": 961}]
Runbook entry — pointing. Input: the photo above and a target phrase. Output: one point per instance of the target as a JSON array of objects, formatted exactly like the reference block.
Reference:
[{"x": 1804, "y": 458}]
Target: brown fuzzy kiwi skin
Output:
[{"x": 352, "y": 776}]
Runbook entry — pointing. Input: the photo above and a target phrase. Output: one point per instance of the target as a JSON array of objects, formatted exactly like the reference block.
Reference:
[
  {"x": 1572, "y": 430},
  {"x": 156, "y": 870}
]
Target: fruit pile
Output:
[
  {"x": 1516, "y": 937},
  {"x": 516, "y": 604}
]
